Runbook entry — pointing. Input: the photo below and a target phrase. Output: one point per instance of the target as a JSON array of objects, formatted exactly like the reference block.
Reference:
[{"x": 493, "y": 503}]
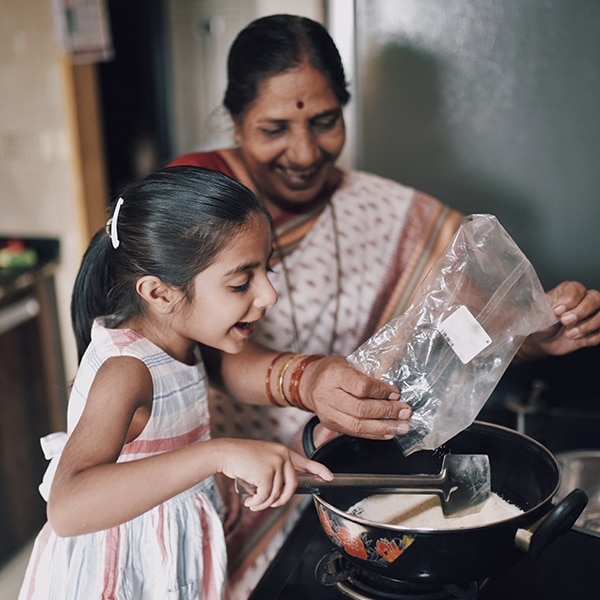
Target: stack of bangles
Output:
[{"x": 293, "y": 399}]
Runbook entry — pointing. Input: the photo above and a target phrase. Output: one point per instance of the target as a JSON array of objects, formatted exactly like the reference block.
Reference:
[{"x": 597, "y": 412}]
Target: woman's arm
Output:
[{"x": 345, "y": 399}]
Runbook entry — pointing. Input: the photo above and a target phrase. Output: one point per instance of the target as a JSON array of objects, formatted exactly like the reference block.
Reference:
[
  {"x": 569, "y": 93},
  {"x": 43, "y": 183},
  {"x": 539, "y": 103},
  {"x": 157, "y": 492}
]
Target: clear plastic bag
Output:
[{"x": 469, "y": 317}]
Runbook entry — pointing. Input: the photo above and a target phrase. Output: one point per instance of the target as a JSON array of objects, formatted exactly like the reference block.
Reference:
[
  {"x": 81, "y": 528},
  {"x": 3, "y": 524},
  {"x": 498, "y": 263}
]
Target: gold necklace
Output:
[{"x": 298, "y": 346}]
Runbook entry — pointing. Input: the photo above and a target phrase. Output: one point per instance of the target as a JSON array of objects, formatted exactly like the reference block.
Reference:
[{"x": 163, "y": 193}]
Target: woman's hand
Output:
[
  {"x": 348, "y": 401},
  {"x": 268, "y": 467},
  {"x": 345, "y": 400},
  {"x": 578, "y": 311}
]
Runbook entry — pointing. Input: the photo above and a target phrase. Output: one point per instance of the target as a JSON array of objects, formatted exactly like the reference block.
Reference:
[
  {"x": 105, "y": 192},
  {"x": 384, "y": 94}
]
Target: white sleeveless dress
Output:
[{"x": 175, "y": 550}]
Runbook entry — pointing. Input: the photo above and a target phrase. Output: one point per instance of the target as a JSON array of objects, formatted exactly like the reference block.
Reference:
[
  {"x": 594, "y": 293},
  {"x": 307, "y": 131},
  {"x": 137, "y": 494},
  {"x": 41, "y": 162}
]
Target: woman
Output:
[{"x": 350, "y": 247}]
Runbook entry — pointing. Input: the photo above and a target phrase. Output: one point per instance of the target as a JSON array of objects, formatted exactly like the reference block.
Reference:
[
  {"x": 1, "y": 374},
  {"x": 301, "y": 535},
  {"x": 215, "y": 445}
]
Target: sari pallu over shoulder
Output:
[
  {"x": 388, "y": 236},
  {"x": 428, "y": 229}
]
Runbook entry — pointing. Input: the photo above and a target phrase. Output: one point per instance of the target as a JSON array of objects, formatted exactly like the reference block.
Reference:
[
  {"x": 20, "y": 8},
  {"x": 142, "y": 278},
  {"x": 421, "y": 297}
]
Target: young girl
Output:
[{"x": 133, "y": 511}]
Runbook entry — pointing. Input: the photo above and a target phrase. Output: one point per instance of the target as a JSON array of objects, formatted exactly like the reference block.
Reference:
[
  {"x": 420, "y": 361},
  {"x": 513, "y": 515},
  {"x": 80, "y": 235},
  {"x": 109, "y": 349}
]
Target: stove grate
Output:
[{"x": 359, "y": 584}]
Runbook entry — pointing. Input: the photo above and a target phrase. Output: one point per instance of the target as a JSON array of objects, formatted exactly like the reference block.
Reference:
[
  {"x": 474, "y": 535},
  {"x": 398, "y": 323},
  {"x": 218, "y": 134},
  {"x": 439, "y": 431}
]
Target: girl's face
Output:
[
  {"x": 290, "y": 138},
  {"x": 232, "y": 293}
]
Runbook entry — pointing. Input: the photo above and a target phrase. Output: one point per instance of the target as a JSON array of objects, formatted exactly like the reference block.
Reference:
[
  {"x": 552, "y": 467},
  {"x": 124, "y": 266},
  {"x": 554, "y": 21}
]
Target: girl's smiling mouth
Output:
[{"x": 245, "y": 327}]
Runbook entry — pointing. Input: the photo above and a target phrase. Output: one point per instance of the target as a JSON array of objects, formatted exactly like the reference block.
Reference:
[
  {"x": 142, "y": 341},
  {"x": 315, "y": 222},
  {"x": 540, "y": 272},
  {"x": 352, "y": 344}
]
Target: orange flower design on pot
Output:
[
  {"x": 326, "y": 523},
  {"x": 354, "y": 546},
  {"x": 388, "y": 550},
  {"x": 357, "y": 543}
]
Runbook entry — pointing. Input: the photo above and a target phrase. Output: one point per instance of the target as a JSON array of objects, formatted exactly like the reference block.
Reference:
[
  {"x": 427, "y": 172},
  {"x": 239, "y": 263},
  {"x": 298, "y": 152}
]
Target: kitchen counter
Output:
[
  {"x": 33, "y": 390},
  {"x": 14, "y": 279}
]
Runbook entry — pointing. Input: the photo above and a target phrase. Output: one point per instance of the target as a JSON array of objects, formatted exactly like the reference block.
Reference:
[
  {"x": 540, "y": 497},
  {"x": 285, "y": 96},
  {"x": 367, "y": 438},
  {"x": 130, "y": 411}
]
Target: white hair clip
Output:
[{"x": 114, "y": 234}]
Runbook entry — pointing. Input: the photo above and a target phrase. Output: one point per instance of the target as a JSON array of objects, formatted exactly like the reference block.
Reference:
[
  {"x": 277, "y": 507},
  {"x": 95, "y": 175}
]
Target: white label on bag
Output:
[{"x": 464, "y": 334}]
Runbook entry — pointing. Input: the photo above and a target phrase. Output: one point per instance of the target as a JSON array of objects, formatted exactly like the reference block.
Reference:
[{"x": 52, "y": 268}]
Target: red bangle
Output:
[
  {"x": 295, "y": 380},
  {"x": 270, "y": 395}
]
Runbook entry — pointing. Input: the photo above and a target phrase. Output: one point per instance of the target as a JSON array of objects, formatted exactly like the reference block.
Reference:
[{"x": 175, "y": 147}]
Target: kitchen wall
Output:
[
  {"x": 39, "y": 188},
  {"x": 491, "y": 106},
  {"x": 200, "y": 34}
]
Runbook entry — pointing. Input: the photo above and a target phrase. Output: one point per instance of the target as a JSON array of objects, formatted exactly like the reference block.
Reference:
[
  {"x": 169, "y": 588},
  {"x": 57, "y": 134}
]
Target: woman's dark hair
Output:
[
  {"x": 171, "y": 224},
  {"x": 272, "y": 45}
]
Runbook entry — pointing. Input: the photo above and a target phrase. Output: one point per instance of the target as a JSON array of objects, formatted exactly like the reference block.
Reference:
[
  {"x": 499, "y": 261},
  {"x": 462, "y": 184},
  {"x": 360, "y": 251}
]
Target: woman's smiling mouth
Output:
[{"x": 297, "y": 178}]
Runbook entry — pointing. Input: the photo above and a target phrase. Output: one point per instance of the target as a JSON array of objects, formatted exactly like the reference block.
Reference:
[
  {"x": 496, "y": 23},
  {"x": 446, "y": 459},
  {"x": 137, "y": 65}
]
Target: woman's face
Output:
[{"x": 290, "y": 138}]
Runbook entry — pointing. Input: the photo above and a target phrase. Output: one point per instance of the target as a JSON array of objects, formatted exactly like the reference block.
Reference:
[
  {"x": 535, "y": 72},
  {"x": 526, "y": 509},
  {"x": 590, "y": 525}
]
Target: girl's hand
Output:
[
  {"x": 232, "y": 502},
  {"x": 269, "y": 467}
]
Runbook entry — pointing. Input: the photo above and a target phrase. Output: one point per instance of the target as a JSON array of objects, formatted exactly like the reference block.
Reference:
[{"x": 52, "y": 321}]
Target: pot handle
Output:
[
  {"x": 308, "y": 438},
  {"x": 557, "y": 522}
]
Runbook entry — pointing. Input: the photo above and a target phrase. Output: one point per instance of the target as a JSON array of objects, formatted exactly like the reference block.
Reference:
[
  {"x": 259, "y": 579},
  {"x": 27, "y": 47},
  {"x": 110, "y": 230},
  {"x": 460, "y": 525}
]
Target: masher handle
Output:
[{"x": 369, "y": 482}]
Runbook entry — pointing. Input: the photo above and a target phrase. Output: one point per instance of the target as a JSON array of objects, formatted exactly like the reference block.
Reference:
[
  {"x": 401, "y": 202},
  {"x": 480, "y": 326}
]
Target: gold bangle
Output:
[
  {"x": 281, "y": 375},
  {"x": 270, "y": 395}
]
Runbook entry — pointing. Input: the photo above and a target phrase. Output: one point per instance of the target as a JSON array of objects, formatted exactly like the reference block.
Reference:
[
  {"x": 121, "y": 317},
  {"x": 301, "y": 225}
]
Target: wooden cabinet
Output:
[{"x": 33, "y": 393}]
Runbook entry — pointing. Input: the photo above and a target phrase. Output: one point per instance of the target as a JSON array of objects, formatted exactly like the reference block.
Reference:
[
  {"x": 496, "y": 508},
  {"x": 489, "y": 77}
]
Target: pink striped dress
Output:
[{"x": 175, "y": 550}]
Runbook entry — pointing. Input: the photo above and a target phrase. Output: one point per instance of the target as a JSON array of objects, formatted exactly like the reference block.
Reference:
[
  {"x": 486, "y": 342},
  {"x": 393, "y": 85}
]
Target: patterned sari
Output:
[{"x": 342, "y": 271}]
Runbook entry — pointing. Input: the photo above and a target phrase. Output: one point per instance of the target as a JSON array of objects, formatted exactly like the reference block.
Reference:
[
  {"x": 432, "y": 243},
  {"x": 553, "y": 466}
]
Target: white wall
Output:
[
  {"x": 200, "y": 35},
  {"x": 38, "y": 190}
]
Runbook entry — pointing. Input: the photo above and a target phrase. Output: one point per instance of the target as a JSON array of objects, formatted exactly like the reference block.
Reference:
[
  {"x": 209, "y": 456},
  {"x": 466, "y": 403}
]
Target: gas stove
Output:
[
  {"x": 333, "y": 570},
  {"x": 308, "y": 567}
]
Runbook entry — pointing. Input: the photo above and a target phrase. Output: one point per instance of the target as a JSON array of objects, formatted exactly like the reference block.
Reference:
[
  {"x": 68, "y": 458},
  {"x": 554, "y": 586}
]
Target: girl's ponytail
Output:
[{"x": 91, "y": 289}]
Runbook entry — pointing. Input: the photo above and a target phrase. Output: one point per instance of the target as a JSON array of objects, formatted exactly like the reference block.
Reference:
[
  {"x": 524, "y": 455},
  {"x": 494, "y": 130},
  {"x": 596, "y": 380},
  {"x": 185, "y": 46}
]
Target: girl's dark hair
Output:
[
  {"x": 172, "y": 224},
  {"x": 272, "y": 45}
]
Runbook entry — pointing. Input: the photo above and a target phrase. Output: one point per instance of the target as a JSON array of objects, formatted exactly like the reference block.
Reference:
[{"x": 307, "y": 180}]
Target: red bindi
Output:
[{"x": 299, "y": 104}]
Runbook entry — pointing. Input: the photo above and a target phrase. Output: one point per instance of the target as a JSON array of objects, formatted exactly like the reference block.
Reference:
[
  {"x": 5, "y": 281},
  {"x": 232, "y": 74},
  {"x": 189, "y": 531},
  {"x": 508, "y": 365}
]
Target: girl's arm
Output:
[{"x": 91, "y": 491}]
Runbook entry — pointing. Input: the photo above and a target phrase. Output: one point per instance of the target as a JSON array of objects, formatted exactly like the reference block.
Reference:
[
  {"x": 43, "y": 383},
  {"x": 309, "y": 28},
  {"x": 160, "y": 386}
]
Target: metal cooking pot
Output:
[
  {"x": 523, "y": 471},
  {"x": 581, "y": 468}
]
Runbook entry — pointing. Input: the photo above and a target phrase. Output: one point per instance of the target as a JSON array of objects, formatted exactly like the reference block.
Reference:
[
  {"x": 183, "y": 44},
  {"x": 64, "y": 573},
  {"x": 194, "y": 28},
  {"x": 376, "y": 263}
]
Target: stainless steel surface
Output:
[
  {"x": 12, "y": 316},
  {"x": 581, "y": 469}
]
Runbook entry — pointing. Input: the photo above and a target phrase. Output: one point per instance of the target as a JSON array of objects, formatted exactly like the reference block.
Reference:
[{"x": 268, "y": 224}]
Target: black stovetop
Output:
[{"x": 567, "y": 569}]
